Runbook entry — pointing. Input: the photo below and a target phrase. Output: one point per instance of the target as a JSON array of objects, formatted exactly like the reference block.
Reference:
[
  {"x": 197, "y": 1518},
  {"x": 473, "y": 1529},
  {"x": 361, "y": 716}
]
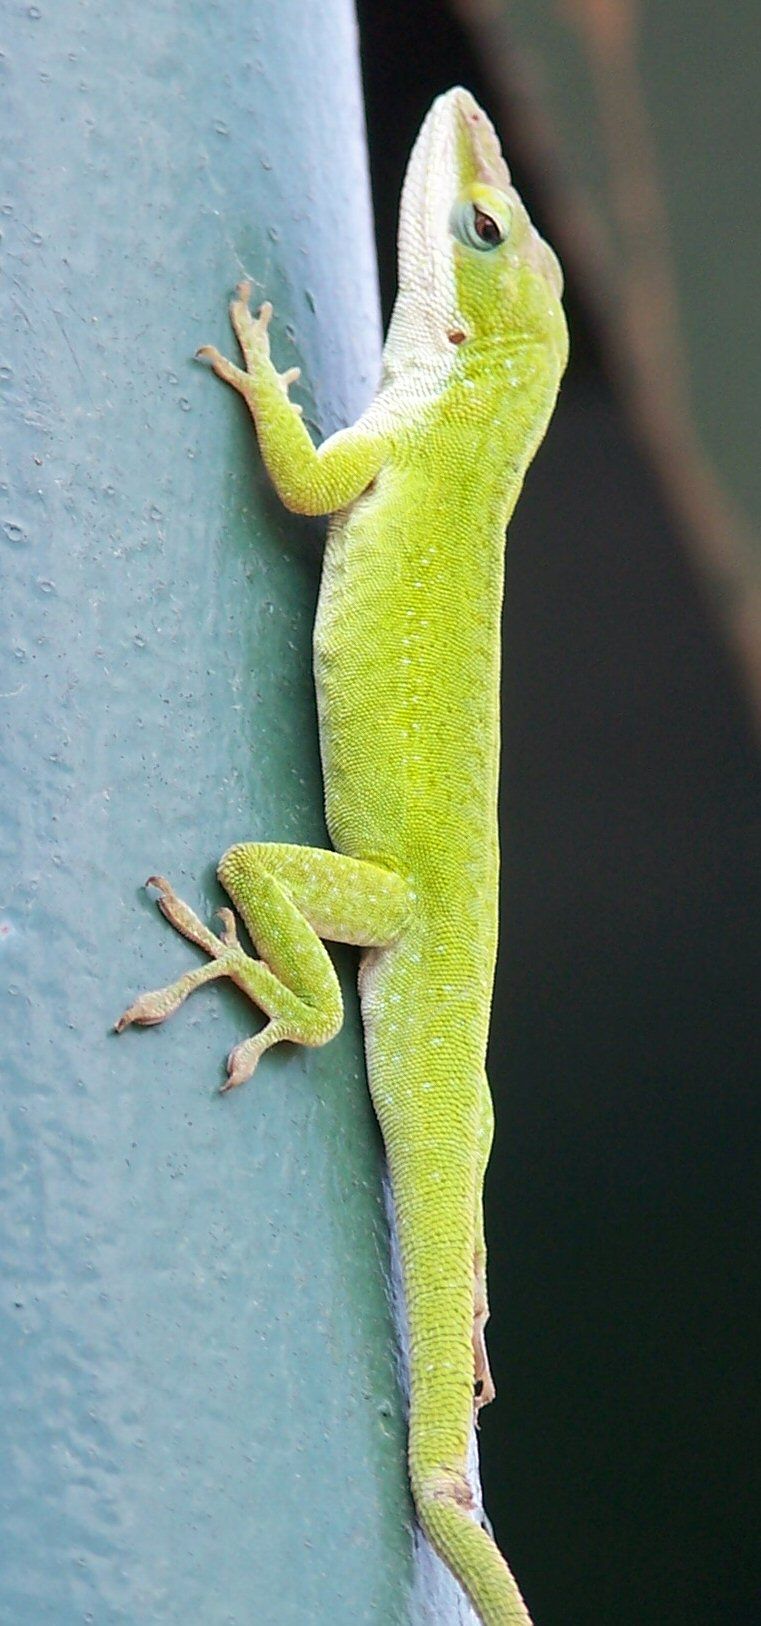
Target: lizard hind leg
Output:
[
  {"x": 288, "y": 898},
  {"x": 287, "y": 1017},
  {"x": 293, "y": 982},
  {"x": 484, "y": 1390}
]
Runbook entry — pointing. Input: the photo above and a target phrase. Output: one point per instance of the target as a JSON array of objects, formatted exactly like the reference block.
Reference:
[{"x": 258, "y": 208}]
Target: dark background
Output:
[{"x": 625, "y": 1063}]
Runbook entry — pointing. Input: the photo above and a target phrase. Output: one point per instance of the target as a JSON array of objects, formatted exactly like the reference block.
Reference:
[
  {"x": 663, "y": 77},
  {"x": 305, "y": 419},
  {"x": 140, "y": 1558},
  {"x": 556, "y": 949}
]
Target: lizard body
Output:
[{"x": 407, "y": 657}]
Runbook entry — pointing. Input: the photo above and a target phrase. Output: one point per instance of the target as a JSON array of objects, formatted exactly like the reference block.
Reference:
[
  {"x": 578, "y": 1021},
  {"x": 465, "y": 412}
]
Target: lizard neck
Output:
[{"x": 496, "y": 407}]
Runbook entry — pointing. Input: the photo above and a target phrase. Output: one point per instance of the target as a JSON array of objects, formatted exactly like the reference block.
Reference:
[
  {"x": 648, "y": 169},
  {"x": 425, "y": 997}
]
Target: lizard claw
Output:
[
  {"x": 290, "y": 376},
  {"x": 229, "y": 932},
  {"x": 239, "y": 308},
  {"x": 241, "y": 1063},
  {"x": 150, "y": 1009},
  {"x": 251, "y": 331},
  {"x": 222, "y": 367}
]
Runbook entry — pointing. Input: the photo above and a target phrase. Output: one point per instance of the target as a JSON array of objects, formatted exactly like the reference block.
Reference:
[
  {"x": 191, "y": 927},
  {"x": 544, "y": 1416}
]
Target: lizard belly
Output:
[
  {"x": 425, "y": 1010},
  {"x": 407, "y": 675}
]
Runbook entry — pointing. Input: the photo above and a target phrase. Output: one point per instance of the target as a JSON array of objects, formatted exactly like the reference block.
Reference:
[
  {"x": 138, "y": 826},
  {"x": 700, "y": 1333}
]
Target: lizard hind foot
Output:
[
  {"x": 226, "y": 958},
  {"x": 244, "y": 1058},
  {"x": 484, "y": 1391}
]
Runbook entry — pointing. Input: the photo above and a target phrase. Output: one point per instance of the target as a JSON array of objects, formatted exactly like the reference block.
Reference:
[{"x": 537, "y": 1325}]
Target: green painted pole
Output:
[{"x": 200, "y": 1405}]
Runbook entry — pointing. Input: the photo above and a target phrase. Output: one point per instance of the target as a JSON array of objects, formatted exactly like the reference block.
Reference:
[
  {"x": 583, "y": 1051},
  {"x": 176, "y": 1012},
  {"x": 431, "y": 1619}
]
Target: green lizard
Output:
[{"x": 407, "y": 662}]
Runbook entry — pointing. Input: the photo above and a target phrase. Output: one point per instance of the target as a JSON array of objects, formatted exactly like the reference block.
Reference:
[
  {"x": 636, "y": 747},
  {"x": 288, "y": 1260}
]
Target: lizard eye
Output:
[
  {"x": 486, "y": 229},
  {"x": 475, "y": 227}
]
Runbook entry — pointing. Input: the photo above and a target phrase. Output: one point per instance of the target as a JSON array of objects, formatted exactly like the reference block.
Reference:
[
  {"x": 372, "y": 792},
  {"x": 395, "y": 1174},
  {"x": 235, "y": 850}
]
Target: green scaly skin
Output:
[{"x": 407, "y": 653}]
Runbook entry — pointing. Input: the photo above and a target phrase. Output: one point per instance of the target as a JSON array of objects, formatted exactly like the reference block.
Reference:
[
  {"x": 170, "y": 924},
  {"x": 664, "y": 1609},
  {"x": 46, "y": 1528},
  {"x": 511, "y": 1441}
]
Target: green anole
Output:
[{"x": 407, "y": 663}]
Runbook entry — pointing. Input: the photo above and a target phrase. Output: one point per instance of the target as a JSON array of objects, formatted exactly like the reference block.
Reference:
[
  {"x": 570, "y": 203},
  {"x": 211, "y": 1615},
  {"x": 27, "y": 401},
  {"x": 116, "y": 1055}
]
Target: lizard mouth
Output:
[
  {"x": 457, "y": 145},
  {"x": 457, "y": 148}
]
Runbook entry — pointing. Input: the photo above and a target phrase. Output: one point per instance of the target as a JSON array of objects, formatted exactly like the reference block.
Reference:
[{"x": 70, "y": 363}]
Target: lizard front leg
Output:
[
  {"x": 289, "y": 897},
  {"x": 308, "y": 479}
]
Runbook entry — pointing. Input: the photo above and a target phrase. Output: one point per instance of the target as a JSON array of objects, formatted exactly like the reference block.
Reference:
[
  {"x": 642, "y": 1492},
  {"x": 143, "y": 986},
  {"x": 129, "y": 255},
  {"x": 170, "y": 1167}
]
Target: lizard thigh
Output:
[
  {"x": 290, "y": 897},
  {"x": 346, "y": 900}
]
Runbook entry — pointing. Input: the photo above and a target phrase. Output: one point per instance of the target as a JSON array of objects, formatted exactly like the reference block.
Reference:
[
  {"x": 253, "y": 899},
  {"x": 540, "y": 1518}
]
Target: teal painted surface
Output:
[{"x": 200, "y": 1409}]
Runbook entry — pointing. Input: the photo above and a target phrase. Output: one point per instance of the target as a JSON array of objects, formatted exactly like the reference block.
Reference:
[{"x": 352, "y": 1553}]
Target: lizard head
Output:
[{"x": 472, "y": 267}]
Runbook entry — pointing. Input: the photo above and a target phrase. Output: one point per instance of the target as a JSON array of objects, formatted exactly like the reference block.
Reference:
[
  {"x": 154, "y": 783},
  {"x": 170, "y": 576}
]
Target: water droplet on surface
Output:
[
  {"x": 184, "y": 403},
  {"x": 14, "y": 533}
]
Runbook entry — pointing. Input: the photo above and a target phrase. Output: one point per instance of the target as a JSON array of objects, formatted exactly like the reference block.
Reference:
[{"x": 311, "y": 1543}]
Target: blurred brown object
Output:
[{"x": 608, "y": 181}]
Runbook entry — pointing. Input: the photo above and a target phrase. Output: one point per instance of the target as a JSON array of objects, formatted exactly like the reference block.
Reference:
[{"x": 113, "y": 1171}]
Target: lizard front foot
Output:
[{"x": 252, "y": 333}]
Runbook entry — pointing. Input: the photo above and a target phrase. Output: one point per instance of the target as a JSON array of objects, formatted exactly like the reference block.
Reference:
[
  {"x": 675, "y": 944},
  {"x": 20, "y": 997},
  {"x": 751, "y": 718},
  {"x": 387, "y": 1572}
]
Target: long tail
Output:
[
  {"x": 425, "y": 1066},
  {"x": 473, "y": 1557},
  {"x": 436, "y": 1244},
  {"x": 444, "y": 1499}
]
